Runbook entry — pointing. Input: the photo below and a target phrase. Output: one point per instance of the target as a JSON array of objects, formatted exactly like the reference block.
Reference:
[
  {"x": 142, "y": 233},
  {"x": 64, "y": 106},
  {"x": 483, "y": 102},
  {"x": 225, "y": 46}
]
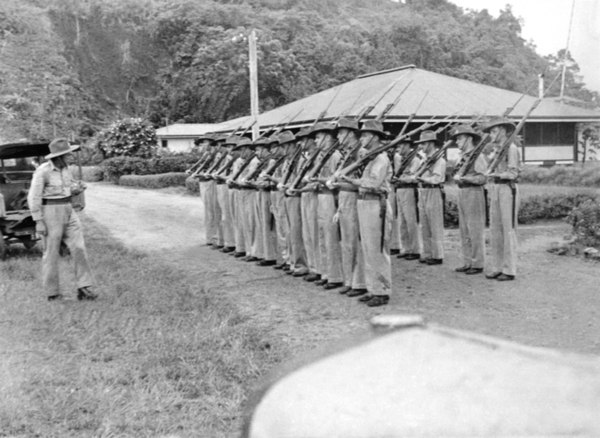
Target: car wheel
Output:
[
  {"x": 28, "y": 243},
  {"x": 3, "y": 247}
]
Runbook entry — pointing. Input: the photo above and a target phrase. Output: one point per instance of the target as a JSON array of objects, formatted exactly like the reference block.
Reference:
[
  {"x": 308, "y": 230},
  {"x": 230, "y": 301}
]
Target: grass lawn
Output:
[{"x": 157, "y": 354}]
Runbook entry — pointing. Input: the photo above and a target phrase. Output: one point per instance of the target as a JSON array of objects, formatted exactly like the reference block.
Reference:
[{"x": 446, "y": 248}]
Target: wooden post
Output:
[{"x": 253, "y": 84}]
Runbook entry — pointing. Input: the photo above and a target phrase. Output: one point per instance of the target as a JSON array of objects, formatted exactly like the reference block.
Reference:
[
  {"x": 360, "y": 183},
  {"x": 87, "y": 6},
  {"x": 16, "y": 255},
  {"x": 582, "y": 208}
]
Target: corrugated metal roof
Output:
[{"x": 447, "y": 95}]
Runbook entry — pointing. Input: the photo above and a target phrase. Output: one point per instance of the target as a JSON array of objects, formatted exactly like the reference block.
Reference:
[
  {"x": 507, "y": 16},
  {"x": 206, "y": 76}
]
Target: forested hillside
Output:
[{"x": 72, "y": 66}]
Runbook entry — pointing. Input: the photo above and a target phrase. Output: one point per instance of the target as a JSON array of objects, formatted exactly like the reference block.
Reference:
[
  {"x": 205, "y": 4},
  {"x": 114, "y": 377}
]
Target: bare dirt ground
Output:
[{"x": 555, "y": 301}]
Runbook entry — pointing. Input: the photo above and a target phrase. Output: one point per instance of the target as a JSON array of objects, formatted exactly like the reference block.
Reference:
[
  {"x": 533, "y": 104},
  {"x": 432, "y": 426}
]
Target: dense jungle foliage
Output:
[{"x": 75, "y": 66}]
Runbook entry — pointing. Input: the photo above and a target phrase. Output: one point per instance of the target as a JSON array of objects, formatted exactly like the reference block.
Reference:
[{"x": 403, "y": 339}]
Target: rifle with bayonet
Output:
[
  {"x": 310, "y": 160},
  {"x": 232, "y": 180},
  {"x": 370, "y": 155},
  {"x": 502, "y": 152},
  {"x": 351, "y": 155},
  {"x": 406, "y": 161}
]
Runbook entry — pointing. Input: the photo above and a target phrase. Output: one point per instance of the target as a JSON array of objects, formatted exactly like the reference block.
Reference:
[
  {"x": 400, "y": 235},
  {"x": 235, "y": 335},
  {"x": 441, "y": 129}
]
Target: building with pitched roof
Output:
[{"x": 550, "y": 135}]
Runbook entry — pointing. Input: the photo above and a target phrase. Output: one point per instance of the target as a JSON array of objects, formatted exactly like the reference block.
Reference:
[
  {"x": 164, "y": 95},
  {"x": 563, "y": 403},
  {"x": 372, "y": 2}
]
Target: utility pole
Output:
[
  {"x": 564, "y": 69},
  {"x": 253, "y": 67}
]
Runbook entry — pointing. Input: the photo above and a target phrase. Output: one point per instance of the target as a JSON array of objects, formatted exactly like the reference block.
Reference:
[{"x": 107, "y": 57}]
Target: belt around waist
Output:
[
  {"x": 503, "y": 181},
  {"x": 295, "y": 195},
  {"x": 464, "y": 185},
  {"x": 346, "y": 189},
  {"x": 219, "y": 183},
  {"x": 369, "y": 196},
  {"x": 266, "y": 189},
  {"x": 431, "y": 186},
  {"x": 58, "y": 201},
  {"x": 327, "y": 191},
  {"x": 406, "y": 186}
]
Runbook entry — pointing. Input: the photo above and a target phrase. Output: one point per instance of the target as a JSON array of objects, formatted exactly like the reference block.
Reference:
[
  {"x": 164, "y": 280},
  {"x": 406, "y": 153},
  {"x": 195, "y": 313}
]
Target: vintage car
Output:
[{"x": 18, "y": 161}]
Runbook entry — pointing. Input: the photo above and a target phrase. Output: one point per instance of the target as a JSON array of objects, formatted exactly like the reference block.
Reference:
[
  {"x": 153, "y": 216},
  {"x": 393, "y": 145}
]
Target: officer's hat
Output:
[
  {"x": 499, "y": 121},
  {"x": 347, "y": 123},
  {"x": 286, "y": 137},
  {"x": 303, "y": 133},
  {"x": 427, "y": 136},
  {"x": 374, "y": 126},
  {"x": 465, "y": 130},
  {"x": 328, "y": 127},
  {"x": 242, "y": 142}
]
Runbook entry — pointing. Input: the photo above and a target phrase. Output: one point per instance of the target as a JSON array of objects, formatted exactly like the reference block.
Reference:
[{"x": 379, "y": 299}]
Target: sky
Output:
[{"x": 546, "y": 24}]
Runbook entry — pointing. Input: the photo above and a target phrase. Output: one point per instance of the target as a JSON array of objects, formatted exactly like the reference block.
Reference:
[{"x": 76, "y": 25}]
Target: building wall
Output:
[{"x": 177, "y": 144}]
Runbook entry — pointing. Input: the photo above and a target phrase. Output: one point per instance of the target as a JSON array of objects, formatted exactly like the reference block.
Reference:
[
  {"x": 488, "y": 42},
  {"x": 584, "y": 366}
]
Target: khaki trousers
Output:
[
  {"x": 471, "y": 222},
  {"x": 378, "y": 265},
  {"x": 208, "y": 211},
  {"x": 353, "y": 263},
  {"x": 216, "y": 231},
  {"x": 63, "y": 224},
  {"x": 267, "y": 226},
  {"x": 503, "y": 234},
  {"x": 310, "y": 233},
  {"x": 329, "y": 239},
  {"x": 395, "y": 237},
  {"x": 281, "y": 226},
  {"x": 432, "y": 223},
  {"x": 408, "y": 226},
  {"x": 226, "y": 222},
  {"x": 297, "y": 258},
  {"x": 237, "y": 209},
  {"x": 248, "y": 220}
]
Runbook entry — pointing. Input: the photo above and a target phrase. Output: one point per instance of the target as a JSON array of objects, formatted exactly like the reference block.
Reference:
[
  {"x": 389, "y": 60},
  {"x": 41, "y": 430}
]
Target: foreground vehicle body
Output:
[
  {"x": 413, "y": 379},
  {"x": 18, "y": 161}
]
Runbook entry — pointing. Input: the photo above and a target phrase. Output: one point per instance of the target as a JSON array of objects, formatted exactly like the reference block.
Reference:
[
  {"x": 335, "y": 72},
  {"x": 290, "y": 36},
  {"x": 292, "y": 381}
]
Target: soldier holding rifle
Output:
[
  {"x": 504, "y": 200},
  {"x": 308, "y": 203},
  {"x": 293, "y": 209},
  {"x": 222, "y": 195},
  {"x": 265, "y": 224},
  {"x": 353, "y": 268},
  {"x": 431, "y": 180},
  {"x": 407, "y": 197},
  {"x": 471, "y": 179},
  {"x": 374, "y": 217},
  {"x": 329, "y": 238}
]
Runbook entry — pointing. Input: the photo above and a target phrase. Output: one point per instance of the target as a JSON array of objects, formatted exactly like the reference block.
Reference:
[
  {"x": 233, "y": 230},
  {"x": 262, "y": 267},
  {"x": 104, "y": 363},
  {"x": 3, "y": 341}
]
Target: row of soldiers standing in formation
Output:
[{"x": 328, "y": 202}]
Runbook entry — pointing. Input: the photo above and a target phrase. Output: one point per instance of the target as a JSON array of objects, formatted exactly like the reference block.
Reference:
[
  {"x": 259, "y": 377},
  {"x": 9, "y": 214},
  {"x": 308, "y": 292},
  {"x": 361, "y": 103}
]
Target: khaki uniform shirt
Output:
[{"x": 49, "y": 182}]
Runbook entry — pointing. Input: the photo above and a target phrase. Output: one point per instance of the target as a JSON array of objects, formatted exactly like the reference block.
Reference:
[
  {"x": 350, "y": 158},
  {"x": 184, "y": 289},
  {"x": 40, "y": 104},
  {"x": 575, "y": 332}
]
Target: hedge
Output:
[
  {"x": 533, "y": 208},
  {"x": 116, "y": 167},
  {"x": 588, "y": 176},
  {"x": 90, "y": 173},
  {"x": 585, "y": 220},
  {"x": 154, "y": 181}
]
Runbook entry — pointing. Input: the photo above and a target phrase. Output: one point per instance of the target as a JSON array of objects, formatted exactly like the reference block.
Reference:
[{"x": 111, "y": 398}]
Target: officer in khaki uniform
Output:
[
  {"x": 374, "y": 218},
  {"x": 471, "y": 203},
  {"x": 49, "y": 200},
  {"x": 504, "y": 203}
]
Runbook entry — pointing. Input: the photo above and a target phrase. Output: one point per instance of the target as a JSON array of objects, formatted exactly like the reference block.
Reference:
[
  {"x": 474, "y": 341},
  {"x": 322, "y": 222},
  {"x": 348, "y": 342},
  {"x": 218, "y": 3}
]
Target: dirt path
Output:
[{"x": 555, "y": 301}]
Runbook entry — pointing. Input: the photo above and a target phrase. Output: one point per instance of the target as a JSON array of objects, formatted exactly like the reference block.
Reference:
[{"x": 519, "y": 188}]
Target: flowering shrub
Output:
[
  {"x": 128, "y": 138},
  {"x": 585, "y": 220}
]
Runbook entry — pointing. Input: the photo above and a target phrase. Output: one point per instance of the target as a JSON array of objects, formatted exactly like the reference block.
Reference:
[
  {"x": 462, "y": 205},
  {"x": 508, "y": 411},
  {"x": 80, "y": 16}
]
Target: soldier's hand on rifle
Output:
[
  {"x": 40, "y": 228},
  {"x": 457, "y": 178},
  {"x": 331, "y": 185},
  {"x": 336, "y": 217}
]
